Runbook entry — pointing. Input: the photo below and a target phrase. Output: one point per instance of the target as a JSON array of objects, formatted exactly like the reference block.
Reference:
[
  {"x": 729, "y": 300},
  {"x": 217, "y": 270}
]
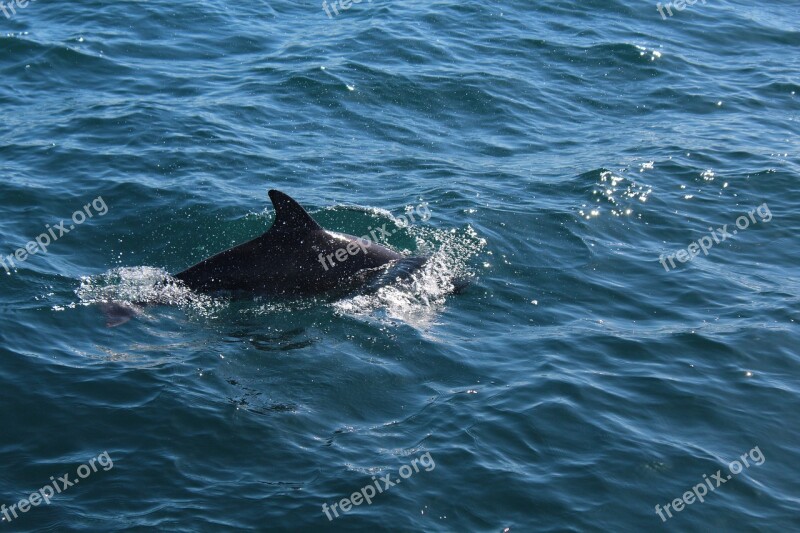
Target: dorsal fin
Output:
[{"x": 289, "y": 215}]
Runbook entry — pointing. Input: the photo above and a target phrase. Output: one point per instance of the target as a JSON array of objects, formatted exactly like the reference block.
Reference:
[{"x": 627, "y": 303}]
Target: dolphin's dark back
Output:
[{"x": 296, "y": 256}]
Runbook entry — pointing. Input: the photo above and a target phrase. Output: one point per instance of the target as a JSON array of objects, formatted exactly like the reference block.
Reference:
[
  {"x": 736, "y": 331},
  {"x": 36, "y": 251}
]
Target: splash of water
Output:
[
  {"x": 417, "y": 299},
  {"x": 142, "y": 285}
]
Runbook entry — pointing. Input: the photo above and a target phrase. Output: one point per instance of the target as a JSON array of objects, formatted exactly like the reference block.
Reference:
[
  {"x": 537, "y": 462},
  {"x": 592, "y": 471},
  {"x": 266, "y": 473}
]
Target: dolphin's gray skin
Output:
[{"x": 295, "y": 257}]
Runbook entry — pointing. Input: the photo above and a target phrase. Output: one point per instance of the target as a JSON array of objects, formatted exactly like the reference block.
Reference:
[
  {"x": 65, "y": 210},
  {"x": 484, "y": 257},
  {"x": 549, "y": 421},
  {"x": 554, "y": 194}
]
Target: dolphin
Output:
[{"x": 297, "y": 257}]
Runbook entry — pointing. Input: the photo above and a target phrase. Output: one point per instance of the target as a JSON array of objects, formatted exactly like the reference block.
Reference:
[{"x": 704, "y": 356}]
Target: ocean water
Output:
[{"x": 620, "y": 187}]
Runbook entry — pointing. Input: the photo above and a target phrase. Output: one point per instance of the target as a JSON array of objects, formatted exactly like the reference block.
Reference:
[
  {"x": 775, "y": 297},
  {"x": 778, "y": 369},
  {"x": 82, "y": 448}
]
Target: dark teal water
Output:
[{"x": 561, "y": 147}]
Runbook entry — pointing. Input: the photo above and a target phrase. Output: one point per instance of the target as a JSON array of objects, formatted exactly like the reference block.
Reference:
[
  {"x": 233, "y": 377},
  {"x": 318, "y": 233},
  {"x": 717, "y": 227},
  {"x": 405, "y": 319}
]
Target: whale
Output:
[{"x": 296, "y": 257}]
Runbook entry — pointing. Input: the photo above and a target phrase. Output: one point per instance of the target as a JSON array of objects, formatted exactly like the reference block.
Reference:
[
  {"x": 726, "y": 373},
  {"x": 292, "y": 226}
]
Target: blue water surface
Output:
[{"x": 586, "y": 164}]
